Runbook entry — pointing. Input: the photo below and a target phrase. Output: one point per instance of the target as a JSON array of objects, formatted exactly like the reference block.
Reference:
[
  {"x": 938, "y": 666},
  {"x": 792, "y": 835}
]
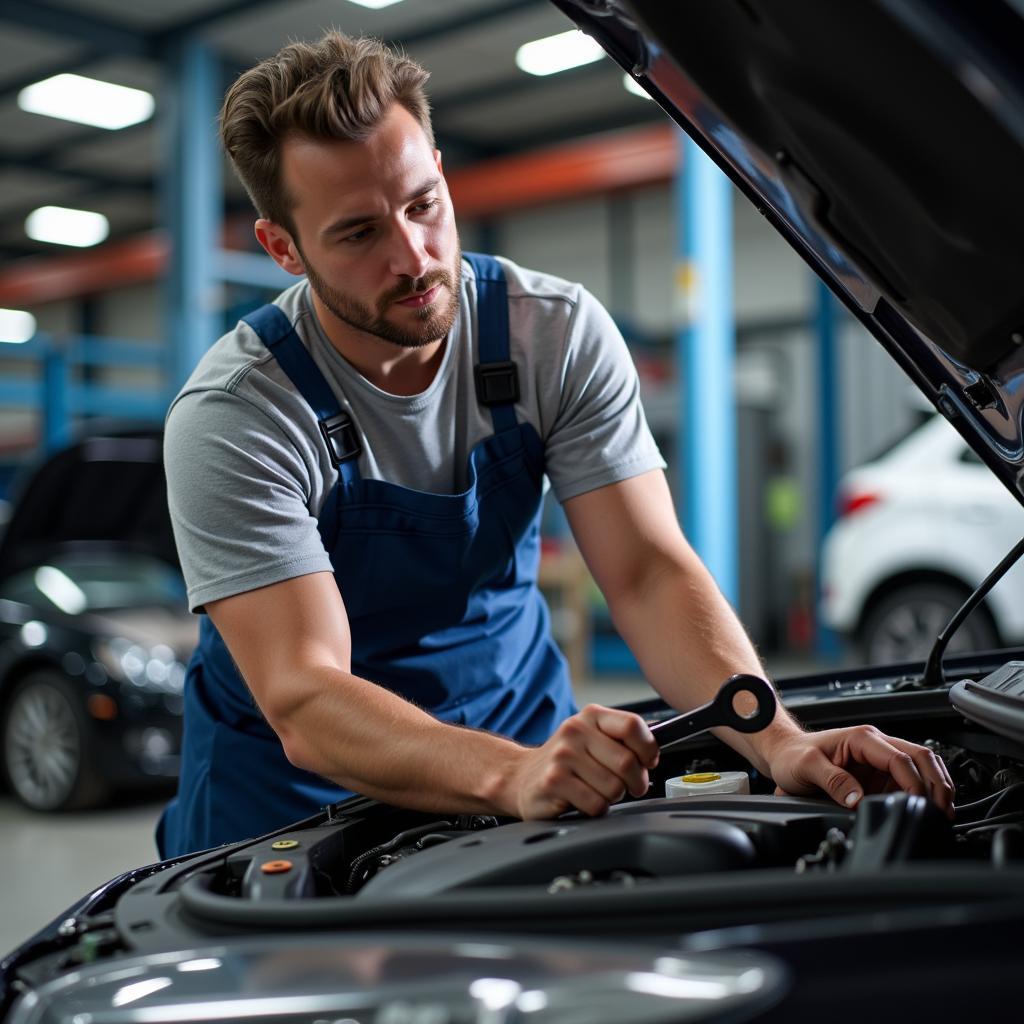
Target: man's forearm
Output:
[
  {"x": 373, "y": 742},
  {"x": 689, "y": 641}
]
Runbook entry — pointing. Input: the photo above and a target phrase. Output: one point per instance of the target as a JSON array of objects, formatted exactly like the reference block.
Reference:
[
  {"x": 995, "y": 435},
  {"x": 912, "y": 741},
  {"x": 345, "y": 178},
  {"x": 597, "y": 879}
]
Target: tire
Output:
[
  {"x": 904, "y": 623},
  {"x": 48, "y": 746}
]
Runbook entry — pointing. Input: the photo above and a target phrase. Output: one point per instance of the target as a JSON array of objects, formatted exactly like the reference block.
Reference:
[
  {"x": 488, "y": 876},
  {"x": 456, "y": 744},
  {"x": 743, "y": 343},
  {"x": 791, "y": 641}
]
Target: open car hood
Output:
[
  {"x": 884, "y": 139},
  {"x": 104, "y": 491}
]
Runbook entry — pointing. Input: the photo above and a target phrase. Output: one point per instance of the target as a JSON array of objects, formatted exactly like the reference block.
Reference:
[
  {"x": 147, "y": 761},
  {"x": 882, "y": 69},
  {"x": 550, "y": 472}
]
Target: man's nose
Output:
[{"x": 409, "y": 254}]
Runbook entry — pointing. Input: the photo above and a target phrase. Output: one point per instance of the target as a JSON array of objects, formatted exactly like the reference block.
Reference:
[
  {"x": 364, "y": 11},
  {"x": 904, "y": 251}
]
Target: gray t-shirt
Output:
[{"x": 248, "y": 469}]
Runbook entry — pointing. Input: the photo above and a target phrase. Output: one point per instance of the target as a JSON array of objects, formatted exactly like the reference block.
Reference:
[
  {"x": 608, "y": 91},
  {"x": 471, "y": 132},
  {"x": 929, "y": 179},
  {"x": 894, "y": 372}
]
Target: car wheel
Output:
[
  {"x": 48, "y": 747},
  {"x": 903, "y": 624}
]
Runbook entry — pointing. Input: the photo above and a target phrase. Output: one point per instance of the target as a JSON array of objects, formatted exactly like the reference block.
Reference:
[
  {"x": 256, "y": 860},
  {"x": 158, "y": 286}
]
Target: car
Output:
[
  {"x": 917, "y": 529},
  {"x": 94, "y": 627},
  {"x": 885, "y": 142}
]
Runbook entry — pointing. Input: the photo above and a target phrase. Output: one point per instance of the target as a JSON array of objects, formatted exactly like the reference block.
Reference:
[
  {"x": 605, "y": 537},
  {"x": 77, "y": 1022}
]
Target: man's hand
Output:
[
  {"x": 588, "y": 764},
  {"x": 847, "y": 763}
]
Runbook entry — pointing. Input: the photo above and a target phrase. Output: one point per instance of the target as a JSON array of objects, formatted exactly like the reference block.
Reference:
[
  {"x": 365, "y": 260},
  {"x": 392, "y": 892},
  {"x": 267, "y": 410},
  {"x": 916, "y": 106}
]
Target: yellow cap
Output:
[{"x": 703, "y": 777}]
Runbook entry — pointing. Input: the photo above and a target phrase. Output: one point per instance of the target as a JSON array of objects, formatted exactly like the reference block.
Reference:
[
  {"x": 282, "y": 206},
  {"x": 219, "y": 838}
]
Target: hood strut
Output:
[{"x": 933, "y": 677}]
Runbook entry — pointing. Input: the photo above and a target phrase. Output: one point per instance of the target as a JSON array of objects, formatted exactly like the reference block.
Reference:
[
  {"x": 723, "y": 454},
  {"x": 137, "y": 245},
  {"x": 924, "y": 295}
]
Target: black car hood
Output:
[
  {"x": 885, "y": 140},
  {"x": 105, "y": 491}
]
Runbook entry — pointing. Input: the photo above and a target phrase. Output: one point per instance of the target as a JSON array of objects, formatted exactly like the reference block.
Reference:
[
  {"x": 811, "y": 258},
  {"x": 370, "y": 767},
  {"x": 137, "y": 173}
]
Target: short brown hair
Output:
[{"x": 338, "y": 88}]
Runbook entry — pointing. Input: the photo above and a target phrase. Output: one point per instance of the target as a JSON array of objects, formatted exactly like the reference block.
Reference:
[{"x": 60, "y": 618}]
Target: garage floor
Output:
[{"x": 50, "y": 861}]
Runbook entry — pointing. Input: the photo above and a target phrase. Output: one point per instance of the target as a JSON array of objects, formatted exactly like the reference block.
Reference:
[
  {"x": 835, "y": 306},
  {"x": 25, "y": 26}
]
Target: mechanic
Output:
[{"x": 355, "y": 475}]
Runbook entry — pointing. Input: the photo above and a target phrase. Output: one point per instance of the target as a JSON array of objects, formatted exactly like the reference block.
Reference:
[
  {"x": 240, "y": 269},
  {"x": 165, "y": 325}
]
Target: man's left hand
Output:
[{"x": 847, "y": 763}]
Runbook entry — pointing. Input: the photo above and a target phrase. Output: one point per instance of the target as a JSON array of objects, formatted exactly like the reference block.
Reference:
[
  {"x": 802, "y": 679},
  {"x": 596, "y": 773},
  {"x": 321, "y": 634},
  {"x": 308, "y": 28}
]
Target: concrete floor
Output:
[{"x": 50, "y": 861}]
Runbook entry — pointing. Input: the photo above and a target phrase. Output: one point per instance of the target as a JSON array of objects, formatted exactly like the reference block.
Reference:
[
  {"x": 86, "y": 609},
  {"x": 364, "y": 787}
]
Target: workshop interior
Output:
[{"x": 804, "y": 220}]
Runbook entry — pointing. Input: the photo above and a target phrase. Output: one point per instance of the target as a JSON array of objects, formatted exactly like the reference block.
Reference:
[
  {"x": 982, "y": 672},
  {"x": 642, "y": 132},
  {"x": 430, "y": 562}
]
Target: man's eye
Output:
[
  {"x": 428, "y": 204},
  {"x": 357, "y": 236}
]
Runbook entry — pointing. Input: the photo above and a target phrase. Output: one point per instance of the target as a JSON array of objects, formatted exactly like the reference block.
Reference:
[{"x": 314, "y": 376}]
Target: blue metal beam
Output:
[
  {"x": 252, "y": 269},
  {"x": 56, "y": 401},
  {"x": 193, "y": 188},
  {"x": 705, "y": 357}
]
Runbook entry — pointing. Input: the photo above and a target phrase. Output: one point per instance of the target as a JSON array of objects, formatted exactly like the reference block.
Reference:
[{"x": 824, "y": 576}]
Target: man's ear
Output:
[
  {"x": 437, "y": 161},
  {"x": 280, "y": 246}
]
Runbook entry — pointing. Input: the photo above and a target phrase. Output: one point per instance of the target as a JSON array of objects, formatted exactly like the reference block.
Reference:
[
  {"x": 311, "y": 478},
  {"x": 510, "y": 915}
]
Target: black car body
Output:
[
  {"x": 94, "y": 631},
  {"x": 885, "y": 140}
]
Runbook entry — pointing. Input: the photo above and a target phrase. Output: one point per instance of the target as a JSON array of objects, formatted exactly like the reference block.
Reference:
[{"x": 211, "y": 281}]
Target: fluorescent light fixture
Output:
[
  {"x": 16, "y": 326},
  {"x": 374, "y": 5},
  {"x": 633, "y": 86},
  {"x": 557, "y": 53},
  {"x": 87, "y": 101},
  {"x": 62, "y": 226}
]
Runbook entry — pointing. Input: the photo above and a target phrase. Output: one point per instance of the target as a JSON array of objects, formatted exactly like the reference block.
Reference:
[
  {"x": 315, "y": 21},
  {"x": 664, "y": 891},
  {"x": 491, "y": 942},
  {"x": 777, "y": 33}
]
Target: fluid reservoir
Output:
[{"x": 708, "y": 784}]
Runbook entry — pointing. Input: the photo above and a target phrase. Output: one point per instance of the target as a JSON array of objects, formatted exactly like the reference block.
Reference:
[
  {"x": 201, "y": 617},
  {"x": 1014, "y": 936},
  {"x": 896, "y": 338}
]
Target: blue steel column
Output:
[
  {"x": 194, "y": 204},
  {"x": 829, "y": 435},
  {"x": 56, "y": 403},
  {"x": 705, "y": 355}
]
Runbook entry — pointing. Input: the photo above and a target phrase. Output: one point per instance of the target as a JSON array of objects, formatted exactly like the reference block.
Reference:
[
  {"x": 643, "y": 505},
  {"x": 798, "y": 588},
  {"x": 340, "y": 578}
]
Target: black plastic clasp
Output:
[
  {"x": 342, "y": 438},
  {"x": 496, "y": 383}
]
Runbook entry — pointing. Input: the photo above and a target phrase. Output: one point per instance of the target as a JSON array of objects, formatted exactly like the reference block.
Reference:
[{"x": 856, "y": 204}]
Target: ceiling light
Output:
[
  {"x": 557, "y": 53},
  {"x": 16, "y": 326},
  {"x": 633, "y": 86},
  {"x": 87, "y": 101},
  {"x": 374, "y": 5},
  {"x": 66, "y": 227}
]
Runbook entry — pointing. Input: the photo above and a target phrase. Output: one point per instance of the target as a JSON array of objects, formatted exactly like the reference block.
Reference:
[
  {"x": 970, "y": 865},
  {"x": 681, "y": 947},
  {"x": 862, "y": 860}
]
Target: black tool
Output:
[{"x": 720, "y": 712}]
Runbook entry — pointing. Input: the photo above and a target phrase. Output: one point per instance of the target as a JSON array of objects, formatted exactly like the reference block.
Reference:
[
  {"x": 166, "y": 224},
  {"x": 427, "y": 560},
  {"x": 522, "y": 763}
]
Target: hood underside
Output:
[
  {"x": 103, "y": 492},
  {"x": 885, "y": 140}
]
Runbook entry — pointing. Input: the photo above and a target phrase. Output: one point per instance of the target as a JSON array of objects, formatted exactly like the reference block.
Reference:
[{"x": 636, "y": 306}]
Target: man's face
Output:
[{"x": 375, "y": 231}]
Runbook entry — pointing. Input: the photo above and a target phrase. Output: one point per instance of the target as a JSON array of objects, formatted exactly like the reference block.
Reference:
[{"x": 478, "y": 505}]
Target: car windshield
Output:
[{"x": 97, "y": 584}]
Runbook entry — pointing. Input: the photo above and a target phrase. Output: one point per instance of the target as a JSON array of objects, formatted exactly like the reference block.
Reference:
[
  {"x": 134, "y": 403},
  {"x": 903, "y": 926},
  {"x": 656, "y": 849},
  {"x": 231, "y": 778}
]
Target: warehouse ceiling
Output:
[{"x": 484, "y": 106}]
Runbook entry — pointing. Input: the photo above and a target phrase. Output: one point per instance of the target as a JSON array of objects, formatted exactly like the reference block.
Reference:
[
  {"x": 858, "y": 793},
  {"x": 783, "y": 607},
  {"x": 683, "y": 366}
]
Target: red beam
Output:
[
  {"x": 51, "y": 278},
  {"x": 604, "y": 163}
]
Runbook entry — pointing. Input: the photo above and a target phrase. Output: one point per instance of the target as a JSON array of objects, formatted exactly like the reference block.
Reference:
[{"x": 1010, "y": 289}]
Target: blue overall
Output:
[{"x": 441, "y": 596}]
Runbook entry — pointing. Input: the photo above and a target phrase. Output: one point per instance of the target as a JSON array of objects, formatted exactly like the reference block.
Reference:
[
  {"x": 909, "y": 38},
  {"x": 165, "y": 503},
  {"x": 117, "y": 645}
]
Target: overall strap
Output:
[
  {"x": 275, "y": 330},
  {"x": 497, "y": 379}
]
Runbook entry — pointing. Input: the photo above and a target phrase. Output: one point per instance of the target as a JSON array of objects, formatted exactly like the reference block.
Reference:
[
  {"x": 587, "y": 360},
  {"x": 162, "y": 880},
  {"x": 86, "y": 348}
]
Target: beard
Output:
[{"x": 431, "y": 322}]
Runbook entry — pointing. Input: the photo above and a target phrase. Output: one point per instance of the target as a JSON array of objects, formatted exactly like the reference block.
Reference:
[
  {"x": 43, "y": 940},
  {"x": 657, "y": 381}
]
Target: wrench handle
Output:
[{"x": 720, "y": 712}]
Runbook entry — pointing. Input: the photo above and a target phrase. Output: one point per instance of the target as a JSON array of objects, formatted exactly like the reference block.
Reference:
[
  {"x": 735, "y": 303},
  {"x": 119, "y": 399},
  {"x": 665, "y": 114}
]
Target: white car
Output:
[{"x": 918, "y": 529}]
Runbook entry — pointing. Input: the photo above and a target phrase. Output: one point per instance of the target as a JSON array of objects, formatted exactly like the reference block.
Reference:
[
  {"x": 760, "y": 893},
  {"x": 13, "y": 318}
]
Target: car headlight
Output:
[{"x": 154, "y": 668}]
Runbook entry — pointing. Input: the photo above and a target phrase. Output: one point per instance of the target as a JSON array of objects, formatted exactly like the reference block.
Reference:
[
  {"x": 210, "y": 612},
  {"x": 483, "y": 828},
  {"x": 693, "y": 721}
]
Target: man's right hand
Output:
[{"x": 591, "y": 761}]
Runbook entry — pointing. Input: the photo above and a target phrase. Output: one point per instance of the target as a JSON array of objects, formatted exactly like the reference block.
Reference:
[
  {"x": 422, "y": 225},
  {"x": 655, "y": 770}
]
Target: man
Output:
[{"x": 355, "y": 475}]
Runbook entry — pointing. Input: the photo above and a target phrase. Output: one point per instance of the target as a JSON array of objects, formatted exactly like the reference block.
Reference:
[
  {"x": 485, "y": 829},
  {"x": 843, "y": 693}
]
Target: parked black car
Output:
[
  {"x": 94, "y": 627},
  {"x": 885, "y": 140}
]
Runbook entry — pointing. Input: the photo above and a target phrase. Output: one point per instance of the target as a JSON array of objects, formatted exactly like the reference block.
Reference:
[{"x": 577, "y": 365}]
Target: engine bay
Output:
[{"x": 720, "y": 873}]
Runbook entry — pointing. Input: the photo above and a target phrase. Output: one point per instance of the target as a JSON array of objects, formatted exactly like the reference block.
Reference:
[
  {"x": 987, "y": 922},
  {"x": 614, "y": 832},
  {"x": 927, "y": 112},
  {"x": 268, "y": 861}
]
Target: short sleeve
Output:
[
  {"x": 600, "y": 434},
  {"x": 238, "y": 493}
]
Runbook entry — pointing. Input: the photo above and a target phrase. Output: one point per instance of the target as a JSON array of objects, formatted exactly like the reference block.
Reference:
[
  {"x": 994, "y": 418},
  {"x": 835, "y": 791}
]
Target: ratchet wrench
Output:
[{"x": 720, "y": 712}]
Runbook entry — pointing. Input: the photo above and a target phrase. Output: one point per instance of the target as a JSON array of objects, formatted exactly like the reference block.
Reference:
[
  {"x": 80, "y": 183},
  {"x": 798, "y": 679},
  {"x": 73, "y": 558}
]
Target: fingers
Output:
[
  {"x": 612, "y": 768},
  {"x": 938, "y": 784},
  {"x": 914, "y": 768},
  {"x": 870, "y": 747},
  {"x": 847, "y": 762},
  {"x": 589, "y": 763},
  {"x": 629, "y": 729},
  {"x": 820, "y": 771}
]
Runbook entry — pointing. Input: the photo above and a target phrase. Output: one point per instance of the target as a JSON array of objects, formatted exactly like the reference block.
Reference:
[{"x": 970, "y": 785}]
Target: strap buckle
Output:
[
  {"x": 342, "y": 438},
  {"x": 496, "y": 383}
]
